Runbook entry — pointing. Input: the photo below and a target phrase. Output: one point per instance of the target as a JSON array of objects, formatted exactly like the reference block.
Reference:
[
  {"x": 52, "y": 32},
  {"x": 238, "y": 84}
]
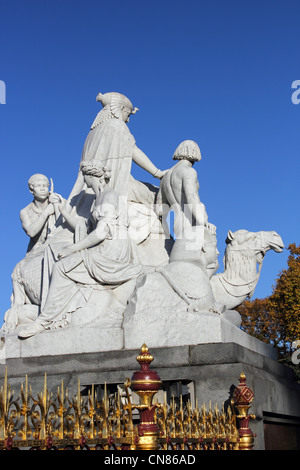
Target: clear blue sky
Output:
[{"x": 217, "y": 72}]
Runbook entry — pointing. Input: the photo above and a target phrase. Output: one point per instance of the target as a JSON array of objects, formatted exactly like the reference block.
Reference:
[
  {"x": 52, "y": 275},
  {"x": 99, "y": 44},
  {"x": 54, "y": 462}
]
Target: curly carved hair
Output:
[
  {"x": 95, "y": 168},
  {"x": 36, "y": 177}
]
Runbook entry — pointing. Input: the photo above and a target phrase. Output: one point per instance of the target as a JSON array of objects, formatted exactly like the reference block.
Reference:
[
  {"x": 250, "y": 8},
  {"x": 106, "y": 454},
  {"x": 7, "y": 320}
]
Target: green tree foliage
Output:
[{"x": 276, "y": 319}]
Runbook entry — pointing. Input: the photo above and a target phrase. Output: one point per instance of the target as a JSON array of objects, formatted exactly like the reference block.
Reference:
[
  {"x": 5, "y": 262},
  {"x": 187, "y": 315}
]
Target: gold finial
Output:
[{"x": 144, "y": 355}]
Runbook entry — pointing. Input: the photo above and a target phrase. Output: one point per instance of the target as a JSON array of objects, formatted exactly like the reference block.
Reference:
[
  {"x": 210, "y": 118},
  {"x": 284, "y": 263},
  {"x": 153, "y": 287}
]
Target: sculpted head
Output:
[
  {"x": 117, "y": 105},
  {"x": 260, "y": 241},
  {"x": 39, "y": 186},
  {"x": 95, "y": 174},
  {"x": 187, "y": 150}
]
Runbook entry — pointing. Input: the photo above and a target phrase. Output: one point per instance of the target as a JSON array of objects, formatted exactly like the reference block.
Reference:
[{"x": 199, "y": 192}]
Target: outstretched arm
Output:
[{"x": 141, "y": 159}]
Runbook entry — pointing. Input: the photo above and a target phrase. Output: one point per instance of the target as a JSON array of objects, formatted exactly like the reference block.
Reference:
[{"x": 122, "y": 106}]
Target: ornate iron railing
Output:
[{"x": 48, "y": 422}]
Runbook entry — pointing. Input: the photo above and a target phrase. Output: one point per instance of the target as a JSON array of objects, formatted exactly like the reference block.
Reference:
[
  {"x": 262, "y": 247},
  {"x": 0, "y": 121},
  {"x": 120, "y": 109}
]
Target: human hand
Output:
[
  {"x": 50, "y": 209},
  {"x": 55, "y": 198},
  {"x": 160, "y": 174}
]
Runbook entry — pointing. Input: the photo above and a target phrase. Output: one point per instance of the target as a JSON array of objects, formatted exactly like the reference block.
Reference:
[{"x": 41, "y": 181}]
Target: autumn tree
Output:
[{"x": 276, "y": 319}]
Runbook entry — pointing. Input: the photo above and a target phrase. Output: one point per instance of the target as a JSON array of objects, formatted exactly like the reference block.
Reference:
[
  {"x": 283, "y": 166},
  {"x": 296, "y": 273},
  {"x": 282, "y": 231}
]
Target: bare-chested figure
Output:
[
  {"x": 179, "y": 191},
  {"x": 38, "y": 218}
]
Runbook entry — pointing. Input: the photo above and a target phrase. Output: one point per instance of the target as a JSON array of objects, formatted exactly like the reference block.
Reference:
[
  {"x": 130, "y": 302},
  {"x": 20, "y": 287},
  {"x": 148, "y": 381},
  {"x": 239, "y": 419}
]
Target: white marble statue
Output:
[
  {"x": 183, "y": 284},
  {"x": 111, "y": 142},
  {"x": 179, "y": 191},
  {"x": 38, "y": 220},
  {"x": 195, "y": 247},
  {"x": 103, "y": 259}
]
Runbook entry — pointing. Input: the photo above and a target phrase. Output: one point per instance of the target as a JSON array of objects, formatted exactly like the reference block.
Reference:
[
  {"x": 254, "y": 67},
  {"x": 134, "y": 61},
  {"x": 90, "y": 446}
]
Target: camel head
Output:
[
  {"x": 254, "y": 241},
  {"x": 243, "y": 261}
]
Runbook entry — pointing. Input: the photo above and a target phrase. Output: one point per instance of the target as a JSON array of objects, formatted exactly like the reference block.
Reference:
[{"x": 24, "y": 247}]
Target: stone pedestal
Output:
[
  {"x": 211, "y": 371},
  {"x": 65, "y": 341},
  {"x": 164, "y": 327},
  {"x": 178, "y": 327}
]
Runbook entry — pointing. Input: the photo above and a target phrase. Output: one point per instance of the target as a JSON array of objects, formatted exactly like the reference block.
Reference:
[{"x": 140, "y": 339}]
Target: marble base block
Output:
[
  {"x": 69, "y": 340},
  {"x": 170, "y": 327}
]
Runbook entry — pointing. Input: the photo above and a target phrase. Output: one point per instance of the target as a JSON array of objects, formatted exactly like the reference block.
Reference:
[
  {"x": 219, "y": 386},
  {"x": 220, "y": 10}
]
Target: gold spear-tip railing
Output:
[{"x": 58, "y": 421}]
